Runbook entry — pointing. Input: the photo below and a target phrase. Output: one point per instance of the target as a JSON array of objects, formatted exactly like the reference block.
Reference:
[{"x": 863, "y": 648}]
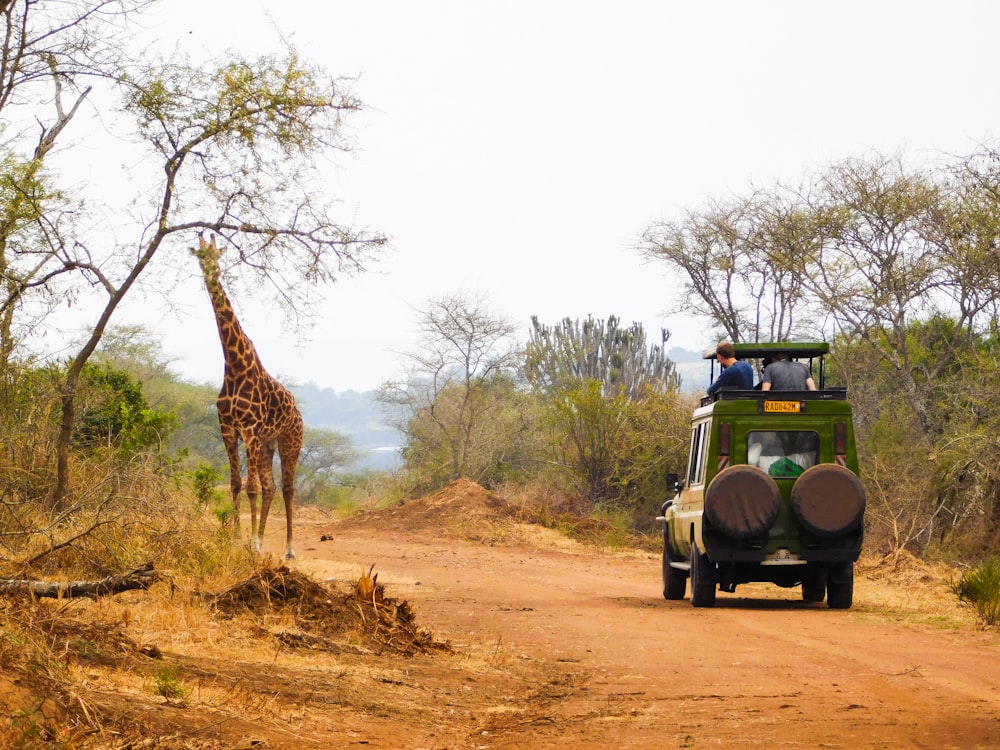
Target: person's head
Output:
[
  {"x": 725, "y": 351},
  {"x": 782, "y": 356}
]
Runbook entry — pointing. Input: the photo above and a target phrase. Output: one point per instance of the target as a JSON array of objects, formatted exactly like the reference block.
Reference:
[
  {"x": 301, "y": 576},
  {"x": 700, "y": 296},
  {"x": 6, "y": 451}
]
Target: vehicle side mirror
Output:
[{"x": 673, "y": 483}]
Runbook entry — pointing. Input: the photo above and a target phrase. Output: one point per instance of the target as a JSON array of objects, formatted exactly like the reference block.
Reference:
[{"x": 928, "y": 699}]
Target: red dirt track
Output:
[{"x": 560, "y": 645}]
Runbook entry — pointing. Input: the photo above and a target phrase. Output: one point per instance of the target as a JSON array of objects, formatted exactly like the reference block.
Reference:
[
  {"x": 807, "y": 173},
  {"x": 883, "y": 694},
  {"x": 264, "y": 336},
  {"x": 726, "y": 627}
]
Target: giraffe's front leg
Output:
[
  {"x": 232, "y": 444},
  {"x": 253, "y": 491}
]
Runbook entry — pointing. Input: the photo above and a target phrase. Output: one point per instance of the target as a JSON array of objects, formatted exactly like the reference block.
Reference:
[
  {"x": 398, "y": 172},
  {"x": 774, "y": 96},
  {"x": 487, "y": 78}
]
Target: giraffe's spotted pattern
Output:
[{"x": 253, "y": 408}]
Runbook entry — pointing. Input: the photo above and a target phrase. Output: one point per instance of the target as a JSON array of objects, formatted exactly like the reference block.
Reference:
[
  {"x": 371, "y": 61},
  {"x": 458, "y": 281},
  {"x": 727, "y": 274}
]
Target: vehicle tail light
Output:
[
  {"x": 840, "y": 443},
  {"x": 725, "y": 439}
]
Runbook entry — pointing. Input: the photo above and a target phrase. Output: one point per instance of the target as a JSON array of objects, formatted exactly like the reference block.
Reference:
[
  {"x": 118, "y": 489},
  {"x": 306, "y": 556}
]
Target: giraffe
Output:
[{"x": 253, "y": 407}]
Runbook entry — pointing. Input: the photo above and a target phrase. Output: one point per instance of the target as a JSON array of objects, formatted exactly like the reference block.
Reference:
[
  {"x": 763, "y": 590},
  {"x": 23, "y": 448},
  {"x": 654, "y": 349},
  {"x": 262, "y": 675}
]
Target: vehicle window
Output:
[
  {"x": 783, "y": 453},
  {"x": 699, "y": 444},
  {"x": 693, "y": 453}
]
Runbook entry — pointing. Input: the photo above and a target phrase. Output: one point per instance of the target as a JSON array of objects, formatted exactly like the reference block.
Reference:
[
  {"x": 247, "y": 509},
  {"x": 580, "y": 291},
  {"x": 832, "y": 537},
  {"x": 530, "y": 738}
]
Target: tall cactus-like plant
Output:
[{"x": 605, "y": 351}]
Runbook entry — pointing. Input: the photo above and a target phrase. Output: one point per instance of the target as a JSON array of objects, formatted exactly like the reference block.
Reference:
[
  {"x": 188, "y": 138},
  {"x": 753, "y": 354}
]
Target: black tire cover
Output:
[
  {"x": 829, "y": 500},
  {"x": 742, "y": 502}
]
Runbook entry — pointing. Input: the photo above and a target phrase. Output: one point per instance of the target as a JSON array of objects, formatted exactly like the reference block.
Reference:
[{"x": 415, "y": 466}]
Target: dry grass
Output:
[
  {"x": 904, "y": 588},
  {"x": 178, "y": 645}
]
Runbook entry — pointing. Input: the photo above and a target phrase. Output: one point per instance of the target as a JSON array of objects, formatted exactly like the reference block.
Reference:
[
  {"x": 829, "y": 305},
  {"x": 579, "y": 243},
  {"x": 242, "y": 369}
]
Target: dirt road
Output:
[{"x": 558, "y": 645}]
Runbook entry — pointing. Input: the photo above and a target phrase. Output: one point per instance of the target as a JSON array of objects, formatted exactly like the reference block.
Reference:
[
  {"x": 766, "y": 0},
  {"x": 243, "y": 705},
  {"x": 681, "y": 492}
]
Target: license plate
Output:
[{"x": 783, "y": 407}]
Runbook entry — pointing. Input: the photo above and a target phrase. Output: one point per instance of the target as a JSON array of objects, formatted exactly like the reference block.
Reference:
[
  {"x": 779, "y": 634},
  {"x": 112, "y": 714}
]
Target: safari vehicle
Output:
[{"x": 771, "y": 491}]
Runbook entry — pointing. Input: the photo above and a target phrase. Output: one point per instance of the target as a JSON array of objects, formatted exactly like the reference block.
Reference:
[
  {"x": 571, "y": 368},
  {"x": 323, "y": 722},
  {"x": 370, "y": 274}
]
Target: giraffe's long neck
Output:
[{"x": 237, "y": 348}]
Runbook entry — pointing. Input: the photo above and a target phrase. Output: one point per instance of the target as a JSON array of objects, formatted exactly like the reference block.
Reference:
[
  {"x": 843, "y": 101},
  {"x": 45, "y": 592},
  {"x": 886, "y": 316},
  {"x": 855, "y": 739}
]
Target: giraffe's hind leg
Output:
[{"x": 288, "y": 452}]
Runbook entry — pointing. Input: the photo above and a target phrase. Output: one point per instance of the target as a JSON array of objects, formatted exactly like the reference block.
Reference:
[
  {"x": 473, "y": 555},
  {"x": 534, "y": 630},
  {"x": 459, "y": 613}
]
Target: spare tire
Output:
[
  {"x": 829, "y": 500},
  {"x": 742, "y": 502}
]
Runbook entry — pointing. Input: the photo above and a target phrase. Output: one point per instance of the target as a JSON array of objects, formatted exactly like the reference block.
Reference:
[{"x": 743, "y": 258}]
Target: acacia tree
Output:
[
  {"x": 966, "y": 230},
  {"x": 234, "y": 148},
  {"x": 237, "y": 146},
  {"x": 864, "y": 249},
  {"x": 875, "y": 271},
  {"x": 908, "y": 270},
  {"x": 51, "y": 55},
  {"x": 457, "y": 379},
  {"x": 736, "y": 263}
]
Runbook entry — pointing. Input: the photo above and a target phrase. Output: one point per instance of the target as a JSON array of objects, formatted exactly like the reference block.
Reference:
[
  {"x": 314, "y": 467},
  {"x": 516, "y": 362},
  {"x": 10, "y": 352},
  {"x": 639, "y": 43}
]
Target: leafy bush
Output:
[
  {"x": 980, "y": 587},
  {"x": 116, "y": 412},
  {"x": 206, "y": 478},
  {"x": 167, "y": 683}
]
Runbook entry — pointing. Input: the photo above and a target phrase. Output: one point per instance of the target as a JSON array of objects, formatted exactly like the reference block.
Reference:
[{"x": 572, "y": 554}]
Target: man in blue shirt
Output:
[{"x": 735, "y": 372}]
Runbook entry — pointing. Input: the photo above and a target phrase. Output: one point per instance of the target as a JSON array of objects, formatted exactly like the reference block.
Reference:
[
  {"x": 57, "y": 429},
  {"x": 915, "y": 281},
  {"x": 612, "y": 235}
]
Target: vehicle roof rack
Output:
[{"x": 797, "y": 349}]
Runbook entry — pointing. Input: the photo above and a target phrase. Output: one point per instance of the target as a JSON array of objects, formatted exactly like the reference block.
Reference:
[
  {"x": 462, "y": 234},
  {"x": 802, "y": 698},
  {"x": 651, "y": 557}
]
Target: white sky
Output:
[{"x": 518, "y": 149}]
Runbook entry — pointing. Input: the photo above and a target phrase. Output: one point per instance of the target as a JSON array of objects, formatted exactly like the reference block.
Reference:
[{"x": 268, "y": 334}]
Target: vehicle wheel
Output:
[
  {"x": 674, "y": 579},
  {"x": 840, "y": 586},
  {"x": 703, "y": 579},
  {"x": 814, "y": 584}
]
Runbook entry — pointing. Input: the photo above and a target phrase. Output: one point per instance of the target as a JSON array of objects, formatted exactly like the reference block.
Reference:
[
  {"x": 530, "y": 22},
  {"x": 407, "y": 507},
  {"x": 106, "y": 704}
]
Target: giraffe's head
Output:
[{"x": 208, "y": 254}]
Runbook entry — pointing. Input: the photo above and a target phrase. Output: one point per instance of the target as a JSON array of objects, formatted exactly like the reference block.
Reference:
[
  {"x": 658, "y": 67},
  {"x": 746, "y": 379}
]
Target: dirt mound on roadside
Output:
[
  {"x": 463, "y": 509},
  {"x": 467, "y": 511},
  {"x": 900, "y": 567},
  {"x": 327, "y": 618}
]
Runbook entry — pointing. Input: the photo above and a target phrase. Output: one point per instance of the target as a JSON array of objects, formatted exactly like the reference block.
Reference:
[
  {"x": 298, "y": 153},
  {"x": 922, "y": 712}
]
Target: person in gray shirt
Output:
[{"x": 785, "y": 375}]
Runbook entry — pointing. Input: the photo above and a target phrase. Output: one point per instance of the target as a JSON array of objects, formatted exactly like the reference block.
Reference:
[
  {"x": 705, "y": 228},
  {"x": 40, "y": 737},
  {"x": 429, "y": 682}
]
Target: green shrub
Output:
[
  {"x": 980, "y": 587},
  {"x": 167, "y": 683},
  {"x": 206, "y": 477}
]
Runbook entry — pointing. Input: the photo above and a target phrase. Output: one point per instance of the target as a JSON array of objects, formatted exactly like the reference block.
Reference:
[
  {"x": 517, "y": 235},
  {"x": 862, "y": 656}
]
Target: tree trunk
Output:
[{"x": 140, "y": 578}]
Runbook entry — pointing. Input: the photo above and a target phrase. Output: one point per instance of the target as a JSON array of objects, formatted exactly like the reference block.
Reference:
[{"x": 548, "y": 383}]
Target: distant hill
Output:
[
  {"x": 691, "y": 367},
  {"x": 355, "y": 414}
]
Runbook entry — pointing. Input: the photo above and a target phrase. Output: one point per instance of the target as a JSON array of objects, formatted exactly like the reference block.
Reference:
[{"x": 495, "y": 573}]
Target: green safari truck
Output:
[{"x": 771, "y": 491}]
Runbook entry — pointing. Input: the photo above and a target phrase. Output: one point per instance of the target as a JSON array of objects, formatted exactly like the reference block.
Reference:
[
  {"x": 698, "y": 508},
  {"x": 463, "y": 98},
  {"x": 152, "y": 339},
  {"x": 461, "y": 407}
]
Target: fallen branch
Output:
[{"x": 140, "y": 578}]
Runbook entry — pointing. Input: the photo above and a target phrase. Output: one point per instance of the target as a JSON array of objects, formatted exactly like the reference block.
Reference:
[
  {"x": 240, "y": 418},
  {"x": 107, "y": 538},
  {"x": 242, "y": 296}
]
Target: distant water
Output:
[{"x": 384, "y": 458}]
